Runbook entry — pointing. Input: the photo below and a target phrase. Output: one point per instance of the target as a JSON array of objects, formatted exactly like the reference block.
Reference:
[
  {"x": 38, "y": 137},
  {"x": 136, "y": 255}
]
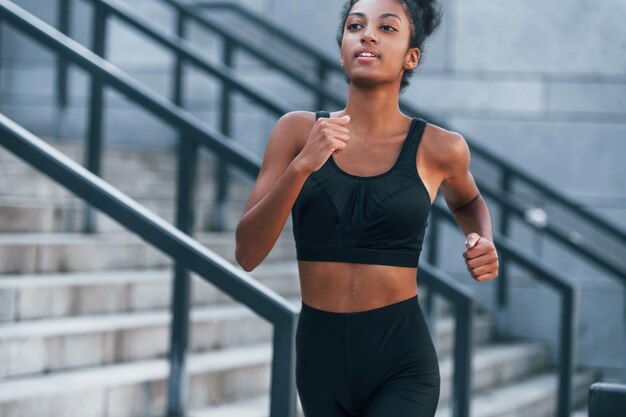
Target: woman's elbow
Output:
[
  {"x": 241, "y": 251},
  {"x": 242, "y": 260}
]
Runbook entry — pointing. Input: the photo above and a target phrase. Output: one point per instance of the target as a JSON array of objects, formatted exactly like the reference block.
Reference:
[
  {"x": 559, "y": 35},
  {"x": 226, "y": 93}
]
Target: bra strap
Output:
[
  {"x": 321, "y": 113},
  {"x": 409, "y": 150}
]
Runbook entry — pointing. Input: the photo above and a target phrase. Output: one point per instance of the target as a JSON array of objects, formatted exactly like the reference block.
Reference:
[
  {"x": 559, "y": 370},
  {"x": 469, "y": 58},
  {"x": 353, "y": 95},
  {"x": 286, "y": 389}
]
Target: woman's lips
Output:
[{"x": 366, "y": 58}]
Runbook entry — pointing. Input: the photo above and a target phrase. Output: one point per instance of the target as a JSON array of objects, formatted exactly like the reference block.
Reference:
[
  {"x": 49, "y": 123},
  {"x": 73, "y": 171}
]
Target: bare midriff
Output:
[{"x": 350, "y": 287}]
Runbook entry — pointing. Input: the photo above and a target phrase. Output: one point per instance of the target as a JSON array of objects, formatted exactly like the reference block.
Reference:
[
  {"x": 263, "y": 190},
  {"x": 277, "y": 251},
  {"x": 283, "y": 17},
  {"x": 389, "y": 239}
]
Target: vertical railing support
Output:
[
  {"x": 219, "y": 214},
  {"x": 462, "y": 358},
  {"x": 96, "y": 98},
  {"x": 501, "y": 294},
  {"x": 64, "y": 21},
  {"x": 322, "y": 75},
  {"x": 177, "y": 93},
  {"x": 283, "y": 395},
  {"x": 567, "y": 355},
  {"x": 181, "y": 303}
]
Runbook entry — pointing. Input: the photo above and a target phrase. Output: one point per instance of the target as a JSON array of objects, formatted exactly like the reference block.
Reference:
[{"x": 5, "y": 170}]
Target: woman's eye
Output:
[{"x": 383, "y": 26}]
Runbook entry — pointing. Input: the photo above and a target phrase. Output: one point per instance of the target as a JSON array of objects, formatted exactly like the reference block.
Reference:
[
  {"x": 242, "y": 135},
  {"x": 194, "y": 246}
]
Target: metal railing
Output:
[
  {"x": 186, "y": 54},
  {"x": 193, "y": 134},
  {"x": 464, "y": 304},
  {"x": 569, "y": 292},
  {"x": 185, "y": 250}
]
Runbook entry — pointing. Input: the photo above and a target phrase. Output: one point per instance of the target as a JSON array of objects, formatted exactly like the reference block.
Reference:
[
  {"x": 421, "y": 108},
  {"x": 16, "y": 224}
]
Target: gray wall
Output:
[{"x": 543, "y": 84}]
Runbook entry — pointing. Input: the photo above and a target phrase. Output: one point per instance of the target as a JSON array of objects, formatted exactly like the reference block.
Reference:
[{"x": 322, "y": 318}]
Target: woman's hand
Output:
[
  {"x": 481, "y": 257},
  {"x": 329, "y": 135}
]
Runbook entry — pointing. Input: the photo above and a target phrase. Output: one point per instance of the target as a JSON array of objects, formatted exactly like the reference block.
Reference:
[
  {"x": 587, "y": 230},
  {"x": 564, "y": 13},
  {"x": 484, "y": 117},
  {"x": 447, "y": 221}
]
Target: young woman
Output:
[{"x": 360, "y": 193}]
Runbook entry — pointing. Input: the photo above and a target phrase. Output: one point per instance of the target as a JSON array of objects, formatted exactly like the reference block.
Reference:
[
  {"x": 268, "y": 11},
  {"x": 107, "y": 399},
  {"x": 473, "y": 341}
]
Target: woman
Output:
[{"x": 360, "y": 193}]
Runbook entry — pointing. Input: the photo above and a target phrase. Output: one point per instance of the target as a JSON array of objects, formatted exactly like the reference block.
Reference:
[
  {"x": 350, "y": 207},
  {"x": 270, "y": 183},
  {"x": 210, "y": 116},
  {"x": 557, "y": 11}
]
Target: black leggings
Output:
[{"x": 374, "y": 363}]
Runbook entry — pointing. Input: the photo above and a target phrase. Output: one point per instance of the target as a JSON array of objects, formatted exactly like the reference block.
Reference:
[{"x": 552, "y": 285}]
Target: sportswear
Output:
[
  {"x": 374, "y": 363},
  {"x": 378, "y": 219}
]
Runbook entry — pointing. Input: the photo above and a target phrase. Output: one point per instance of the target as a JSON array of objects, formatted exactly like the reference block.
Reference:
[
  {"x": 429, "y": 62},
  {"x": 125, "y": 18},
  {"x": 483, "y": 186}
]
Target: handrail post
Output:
[
  {"x": 177, "y": 94},
  {"x": 501, "y": 293},
  {"x": 180, "y": 303},
  {"x": 462, "y": 358},
  {"x": 1, "y": 57},
  {"x": 63, "y": 20},
  {"x": 219, "y": 218},
  {"x": 283, "y": 394},
  {"x": 569, "y": 320},
  {"x": 322, "y": 75},
  {"x": 94, "y": 130}
]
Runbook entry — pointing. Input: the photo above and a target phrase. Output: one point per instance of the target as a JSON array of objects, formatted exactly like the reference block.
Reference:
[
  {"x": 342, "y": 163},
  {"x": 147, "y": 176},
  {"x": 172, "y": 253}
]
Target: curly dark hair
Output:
[{"x": 428, "y": 15}]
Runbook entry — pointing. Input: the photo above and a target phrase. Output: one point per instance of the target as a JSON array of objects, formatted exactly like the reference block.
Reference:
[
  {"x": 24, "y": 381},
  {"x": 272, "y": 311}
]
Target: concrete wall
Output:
[{"x": 542, "y": 84}]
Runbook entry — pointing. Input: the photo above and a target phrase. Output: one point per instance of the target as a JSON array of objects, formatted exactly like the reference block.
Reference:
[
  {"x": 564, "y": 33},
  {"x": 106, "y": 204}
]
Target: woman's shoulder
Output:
[
  {"x": 444, "y": 148},
  {"x": 298, "y": 123}
]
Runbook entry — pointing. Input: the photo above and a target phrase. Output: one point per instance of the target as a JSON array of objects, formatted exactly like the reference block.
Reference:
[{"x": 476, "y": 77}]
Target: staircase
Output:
[{"x": 84, "y": 319}]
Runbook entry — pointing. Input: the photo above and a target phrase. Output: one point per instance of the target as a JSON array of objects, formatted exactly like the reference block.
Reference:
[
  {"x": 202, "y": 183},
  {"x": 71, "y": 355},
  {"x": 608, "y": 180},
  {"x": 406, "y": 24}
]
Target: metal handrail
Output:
[
  {"x": 169, "y": 239},
  {"x": 567, "y": 289},
  {"x": 95, "y": 191},
  {"x": 580, "y": 247},
  {"x": 464, "y": 304}
]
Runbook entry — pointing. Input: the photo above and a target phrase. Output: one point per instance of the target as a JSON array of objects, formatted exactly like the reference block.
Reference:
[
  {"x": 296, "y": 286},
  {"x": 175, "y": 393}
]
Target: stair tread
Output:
[
  {"x": 493, "y": 403},
  {"x": 138, "y": 371},
  {"x": 91, "y": 323},
  {"x": 122, "y": 275},
  {"x": 12, "y": 238},
  {"x": 118, "y": 321},
  {"x": 517, "y": 394},
  {"x": 131, "y": 372}
]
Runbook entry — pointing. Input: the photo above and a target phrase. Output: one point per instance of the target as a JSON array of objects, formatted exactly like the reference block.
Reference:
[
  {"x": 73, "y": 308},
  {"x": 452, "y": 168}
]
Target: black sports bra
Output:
[{"x": 379, "y": 219}]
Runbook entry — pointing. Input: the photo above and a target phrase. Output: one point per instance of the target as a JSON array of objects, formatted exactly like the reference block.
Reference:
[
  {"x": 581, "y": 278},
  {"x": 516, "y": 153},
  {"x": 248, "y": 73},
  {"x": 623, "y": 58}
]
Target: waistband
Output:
[{"x": 400, "y": 308}]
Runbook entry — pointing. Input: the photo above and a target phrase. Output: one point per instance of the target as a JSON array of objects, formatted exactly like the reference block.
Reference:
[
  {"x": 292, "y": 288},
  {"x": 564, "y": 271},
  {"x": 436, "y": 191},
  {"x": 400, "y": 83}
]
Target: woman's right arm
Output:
[{"x": 283, "y": 172}]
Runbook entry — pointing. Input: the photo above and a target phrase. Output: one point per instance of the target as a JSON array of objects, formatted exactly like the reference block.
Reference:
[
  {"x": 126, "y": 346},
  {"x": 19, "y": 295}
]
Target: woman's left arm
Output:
[{"x": 470, "y": 210}]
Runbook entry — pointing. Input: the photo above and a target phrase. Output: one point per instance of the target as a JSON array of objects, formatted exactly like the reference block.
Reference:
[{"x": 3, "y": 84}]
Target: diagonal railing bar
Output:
[
  {"x": 173, "y": 242},
  {"x": 569, "y": 292}
]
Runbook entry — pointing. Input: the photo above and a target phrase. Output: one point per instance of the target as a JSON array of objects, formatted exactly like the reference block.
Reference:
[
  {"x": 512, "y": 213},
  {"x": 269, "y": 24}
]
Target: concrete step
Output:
[
  {"x": 68, "y": 218},
  {"x": 525, "y": 398},
  {"x": 60, "y": 252},
  {"x": 119, "y": 165},
  {"x": 534, "y": 396},
  {"x": 250, "y": 407},
  {"x": 38, "y": 214},
  {"x": 114, "y": 157},
  {"x": 136, "y": 186},
  {"x": 55, "y": 295},
  {"x": 52, "y": 344},
  {"x": 217, "y": 376},
  {"x": 139, "y": 388}
]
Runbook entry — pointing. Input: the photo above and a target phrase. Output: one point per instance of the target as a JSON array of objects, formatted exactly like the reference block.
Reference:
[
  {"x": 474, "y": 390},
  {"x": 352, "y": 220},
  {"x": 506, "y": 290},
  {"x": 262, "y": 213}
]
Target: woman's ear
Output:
[{"x": 413, "y": 58}]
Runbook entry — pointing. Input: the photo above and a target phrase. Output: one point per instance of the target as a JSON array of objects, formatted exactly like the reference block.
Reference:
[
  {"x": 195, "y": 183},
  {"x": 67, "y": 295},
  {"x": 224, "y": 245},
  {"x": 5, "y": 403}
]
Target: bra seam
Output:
[
  {"x": 393, "y": 193},
  {"x": 337, "y": 215}
]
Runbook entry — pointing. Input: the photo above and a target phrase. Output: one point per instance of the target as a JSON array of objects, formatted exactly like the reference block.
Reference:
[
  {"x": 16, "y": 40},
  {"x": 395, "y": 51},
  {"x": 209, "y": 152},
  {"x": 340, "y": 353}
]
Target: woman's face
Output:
[{"x": 384, "y": 27}]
